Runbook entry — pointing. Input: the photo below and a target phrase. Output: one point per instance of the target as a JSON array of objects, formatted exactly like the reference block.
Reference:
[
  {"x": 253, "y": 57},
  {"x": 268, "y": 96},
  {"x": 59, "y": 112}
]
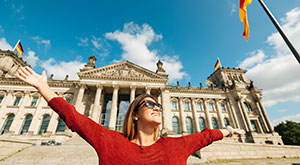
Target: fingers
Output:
[
  {"x": 30, "y": 70},
  {"x": 22, "y": 73},
  {"x": 19, "y": 76}
]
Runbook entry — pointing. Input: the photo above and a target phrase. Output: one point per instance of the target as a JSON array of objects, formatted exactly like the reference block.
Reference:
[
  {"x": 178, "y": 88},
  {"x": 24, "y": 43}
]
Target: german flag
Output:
[
  {"x": 19, "y": 48},
  {"x": 243, "y": 16},
  {"x": 218, "y": 64}
]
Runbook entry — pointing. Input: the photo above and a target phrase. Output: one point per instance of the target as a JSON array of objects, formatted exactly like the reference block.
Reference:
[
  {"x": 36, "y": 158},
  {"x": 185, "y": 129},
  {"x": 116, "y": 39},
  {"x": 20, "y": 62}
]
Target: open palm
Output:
[{"x": 31, "y": 77}]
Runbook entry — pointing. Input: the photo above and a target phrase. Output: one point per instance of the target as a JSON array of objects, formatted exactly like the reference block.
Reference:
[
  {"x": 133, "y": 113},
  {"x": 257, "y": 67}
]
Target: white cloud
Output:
[
  {"x": 278, "y": 74},
  {"x": 31, "y": 59},
  {"x": 135, "y": 40},
  {"x": 4, "y": 45},
  {"x": 61, "y": 69},
  {"x": 282, "y": 110},
  {"x": 83, "y": 42},
  {"x": 41, "y": 41},
  {"x": 255, "y": 58},
  {"x": 1, "y": 29},
  {"x": 295, "y": 118}
]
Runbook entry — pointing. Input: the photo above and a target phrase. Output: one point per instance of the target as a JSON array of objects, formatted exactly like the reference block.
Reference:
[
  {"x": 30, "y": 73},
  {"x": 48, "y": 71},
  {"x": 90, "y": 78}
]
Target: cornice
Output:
[
  {"x": 52, "y": 83},
  {"x": 195, "y": 90}
]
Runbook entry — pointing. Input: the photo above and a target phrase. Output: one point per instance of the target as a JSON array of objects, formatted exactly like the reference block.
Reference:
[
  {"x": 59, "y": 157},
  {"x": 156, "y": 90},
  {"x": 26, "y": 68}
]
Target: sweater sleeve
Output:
[
  {"x": 81, "y": 124},
  {"x": 196, "y": 141}
]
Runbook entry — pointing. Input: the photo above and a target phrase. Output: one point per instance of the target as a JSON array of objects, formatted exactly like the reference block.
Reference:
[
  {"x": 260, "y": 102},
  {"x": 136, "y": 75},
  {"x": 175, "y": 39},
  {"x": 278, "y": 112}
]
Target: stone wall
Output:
[{"x": 230, "y": 150}]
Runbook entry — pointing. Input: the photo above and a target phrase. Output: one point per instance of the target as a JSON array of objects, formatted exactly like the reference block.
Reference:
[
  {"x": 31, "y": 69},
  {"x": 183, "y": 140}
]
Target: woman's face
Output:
[{"x": 148, "y": 115}]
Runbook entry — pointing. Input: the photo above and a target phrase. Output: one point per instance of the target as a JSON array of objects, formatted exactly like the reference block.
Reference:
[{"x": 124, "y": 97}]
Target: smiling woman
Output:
[{"x": 138, "y": 143}]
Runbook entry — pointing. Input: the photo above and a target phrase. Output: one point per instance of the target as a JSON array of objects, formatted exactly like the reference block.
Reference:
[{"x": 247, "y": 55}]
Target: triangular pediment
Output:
[{"x": 122, "y": 71}]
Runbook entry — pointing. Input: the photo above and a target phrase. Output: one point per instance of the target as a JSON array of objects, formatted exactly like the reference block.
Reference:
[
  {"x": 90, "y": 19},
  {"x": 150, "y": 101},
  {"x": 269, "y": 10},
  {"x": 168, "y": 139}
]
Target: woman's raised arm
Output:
[{"x": 38, "y": 81}]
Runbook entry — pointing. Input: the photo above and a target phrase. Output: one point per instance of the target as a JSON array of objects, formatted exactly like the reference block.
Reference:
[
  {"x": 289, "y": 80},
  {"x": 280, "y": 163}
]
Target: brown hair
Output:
[{"x": 130, "y": 125}]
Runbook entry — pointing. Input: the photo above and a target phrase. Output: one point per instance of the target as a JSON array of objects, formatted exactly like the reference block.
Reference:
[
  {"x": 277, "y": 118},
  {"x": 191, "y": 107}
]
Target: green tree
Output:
[{"x": 289, "y": 131}]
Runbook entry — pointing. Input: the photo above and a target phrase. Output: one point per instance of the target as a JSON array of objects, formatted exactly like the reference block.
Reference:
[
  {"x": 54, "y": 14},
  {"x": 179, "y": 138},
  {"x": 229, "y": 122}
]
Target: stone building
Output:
[{"x": 104, "y": 94}]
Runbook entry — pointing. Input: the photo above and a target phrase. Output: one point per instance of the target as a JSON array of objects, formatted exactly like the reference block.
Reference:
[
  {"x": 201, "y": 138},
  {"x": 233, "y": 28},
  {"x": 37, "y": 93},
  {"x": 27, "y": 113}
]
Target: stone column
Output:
[
  {"x": 266, "y": 116},
  {"x": 17, "y": 122},
  {"x": 166, "y": 112},
  {"x": 230, "y": 106},
  {"x": 181, "y": 114},
  {"x": 79, "y": 99},
  {"x": 6, "y": 100},
  {"x": 114, "y": 109},
  {"x": 96, "y": 108},
  {"x": 232, "y": 117},
  {"x": 244, "y": 115},
  {"x": 36, "y": 117},
  {"x": 196, "y": 122},
  {"x": 207, "y": 115},
  {"x": 132, "y": 93},
  {"x": 148, "y": 90},
  {"x": 220, "y": 116},
  {"x": 261, "y": 116}
]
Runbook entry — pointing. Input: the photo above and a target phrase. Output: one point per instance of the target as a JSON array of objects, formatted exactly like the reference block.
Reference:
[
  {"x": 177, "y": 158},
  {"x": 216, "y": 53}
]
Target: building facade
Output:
[{"x": 104, "y": 94}]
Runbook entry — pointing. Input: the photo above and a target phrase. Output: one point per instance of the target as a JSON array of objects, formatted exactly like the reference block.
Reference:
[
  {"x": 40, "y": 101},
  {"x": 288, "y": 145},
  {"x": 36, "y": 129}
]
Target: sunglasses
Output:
[{"x": 151, "y": 104}]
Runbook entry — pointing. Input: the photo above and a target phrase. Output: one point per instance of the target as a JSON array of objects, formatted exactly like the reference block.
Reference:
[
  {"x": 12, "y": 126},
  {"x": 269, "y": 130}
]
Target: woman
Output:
[{"x": 138, "y": 144}]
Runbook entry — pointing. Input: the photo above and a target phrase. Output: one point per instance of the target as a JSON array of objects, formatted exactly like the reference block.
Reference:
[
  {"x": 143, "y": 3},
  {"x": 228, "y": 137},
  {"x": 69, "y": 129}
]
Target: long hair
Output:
[{"x": 129, "y": 125}]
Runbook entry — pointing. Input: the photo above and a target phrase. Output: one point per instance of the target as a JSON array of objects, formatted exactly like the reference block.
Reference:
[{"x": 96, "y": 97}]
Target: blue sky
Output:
[{"x": 188, "y": 36}]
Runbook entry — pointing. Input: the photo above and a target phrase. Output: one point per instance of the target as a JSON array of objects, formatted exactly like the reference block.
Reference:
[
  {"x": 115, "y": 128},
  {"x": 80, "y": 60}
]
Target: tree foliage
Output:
[{"x": 289, "y": 131}]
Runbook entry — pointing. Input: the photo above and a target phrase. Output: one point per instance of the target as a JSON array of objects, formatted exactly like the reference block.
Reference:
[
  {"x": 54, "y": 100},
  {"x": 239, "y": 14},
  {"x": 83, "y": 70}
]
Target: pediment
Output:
[{"x": 122, "y": 71}]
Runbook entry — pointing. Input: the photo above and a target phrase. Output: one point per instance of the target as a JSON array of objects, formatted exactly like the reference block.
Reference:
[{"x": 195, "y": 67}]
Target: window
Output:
[
  {"x": 201, "y": 123},
  {"x": 214, "y": 123},
  {"x": 45, "y": 123},
  {"x": 211, "y": 107},
  {"x": 198, "y": 106},
  {"x": 226, "y": 122},
  {"x": 105, "y": 113},
  {"x": 175, "y": 125},
  {"x": 61, "y": 126},
  {"x": 1, "y": 99},
  {"x": 34, "y": 101},
  {"x": 123, "y": 105},
  {"x": 186, "y": 106},
  {"x": 247, "y": 107},
  {"x": 26, "y": 124},
  {"x": 254, "y": 126},
  {"x": 7, "y": 123},
  {"x": 17, "y": 101},
  {"x": 174, "y": 105},
  {"x": 223, "y": 107},
  {"x": 189, "y": 125}
]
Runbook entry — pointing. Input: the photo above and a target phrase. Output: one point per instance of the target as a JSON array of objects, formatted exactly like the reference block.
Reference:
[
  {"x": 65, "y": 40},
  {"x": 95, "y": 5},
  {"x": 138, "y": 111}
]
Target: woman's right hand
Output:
[{"x": 31, "y": 77}]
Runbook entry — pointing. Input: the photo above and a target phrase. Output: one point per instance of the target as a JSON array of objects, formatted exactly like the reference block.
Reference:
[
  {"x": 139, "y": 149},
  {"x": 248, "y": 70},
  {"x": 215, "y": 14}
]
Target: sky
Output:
[{"x": 187, "y": 36}]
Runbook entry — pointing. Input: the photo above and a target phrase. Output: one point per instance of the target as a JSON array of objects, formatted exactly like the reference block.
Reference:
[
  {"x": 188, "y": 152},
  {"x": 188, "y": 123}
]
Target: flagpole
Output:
[
  {"x": 16, "y": 45},
  {"x": 280, "y": 30}
]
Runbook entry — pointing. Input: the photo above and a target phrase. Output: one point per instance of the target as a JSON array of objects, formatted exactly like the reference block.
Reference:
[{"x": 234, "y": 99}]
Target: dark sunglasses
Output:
[{"x": 151, "y": 104}]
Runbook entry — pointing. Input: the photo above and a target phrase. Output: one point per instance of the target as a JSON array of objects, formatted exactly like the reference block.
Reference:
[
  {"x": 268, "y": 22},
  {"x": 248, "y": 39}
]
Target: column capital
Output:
[
  {"x": 10, "y": 91},
  {"x": 99, "y": 86},
  {"x": 83, "y": 86},
  {"x": 132, "y": 87},
  {"x": 116, "y": 87},
  {"x": 27, "y": 92}
]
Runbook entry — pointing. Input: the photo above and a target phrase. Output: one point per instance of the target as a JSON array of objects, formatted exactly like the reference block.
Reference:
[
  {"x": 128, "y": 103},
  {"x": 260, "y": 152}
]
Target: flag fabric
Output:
[
  {"x": 243, "y": 16},
  {"x": 218, "y": 64},
  {"x": 19, "y": 48}
]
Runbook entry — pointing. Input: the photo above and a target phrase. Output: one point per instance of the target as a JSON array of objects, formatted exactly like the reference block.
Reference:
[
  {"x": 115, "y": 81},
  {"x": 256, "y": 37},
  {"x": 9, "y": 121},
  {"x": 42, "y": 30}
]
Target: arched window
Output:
[
  {"x": 45, "y": 123},
  {"x": 26, "y": 124},
  {"x": 201, "y": 123},
  {"x": 175, "y": 124},
  {"x": 189, "y": 125},
  {"x": 61, "y": 126},
  {"x": 7, "y": 123},
  {"x": 226, "y": 122},
  {"x": 214, "y": 123}
]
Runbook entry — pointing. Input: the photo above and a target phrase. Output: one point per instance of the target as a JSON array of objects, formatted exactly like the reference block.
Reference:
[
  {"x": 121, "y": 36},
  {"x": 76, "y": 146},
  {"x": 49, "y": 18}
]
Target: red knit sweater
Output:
[{"x": 113, "y": 148}]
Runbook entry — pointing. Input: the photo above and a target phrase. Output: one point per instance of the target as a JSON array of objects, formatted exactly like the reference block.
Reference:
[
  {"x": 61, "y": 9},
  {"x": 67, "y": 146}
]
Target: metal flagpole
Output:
[{"x": 278, "y": 27}]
